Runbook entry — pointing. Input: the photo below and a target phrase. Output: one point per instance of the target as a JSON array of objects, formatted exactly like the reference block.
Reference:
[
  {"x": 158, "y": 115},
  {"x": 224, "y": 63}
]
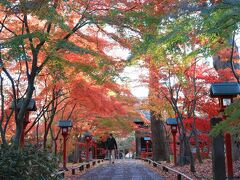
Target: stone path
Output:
[{"x": 121, "y": 170}]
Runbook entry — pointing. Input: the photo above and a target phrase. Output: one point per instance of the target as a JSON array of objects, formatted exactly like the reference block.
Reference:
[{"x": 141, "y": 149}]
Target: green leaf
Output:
[
  {"x": 66, "y": 45},
  {"x": 232, "y": 123}
]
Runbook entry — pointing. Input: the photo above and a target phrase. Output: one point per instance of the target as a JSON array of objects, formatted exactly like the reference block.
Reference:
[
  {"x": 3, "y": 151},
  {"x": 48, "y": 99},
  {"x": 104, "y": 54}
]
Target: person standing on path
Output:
[{"x": 111, "y": 145}]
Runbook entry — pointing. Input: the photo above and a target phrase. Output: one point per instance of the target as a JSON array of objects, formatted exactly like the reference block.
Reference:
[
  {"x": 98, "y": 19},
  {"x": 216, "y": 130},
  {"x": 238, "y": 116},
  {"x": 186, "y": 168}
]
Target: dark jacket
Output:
[{"x": 111, "y": 143}]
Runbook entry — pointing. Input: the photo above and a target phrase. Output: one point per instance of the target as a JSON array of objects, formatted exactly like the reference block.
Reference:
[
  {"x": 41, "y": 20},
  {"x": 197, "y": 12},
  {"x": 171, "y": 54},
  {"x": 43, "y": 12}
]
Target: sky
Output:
[
  {"x": 131, "y": 74},
  {"x": 134, "y": 74}
]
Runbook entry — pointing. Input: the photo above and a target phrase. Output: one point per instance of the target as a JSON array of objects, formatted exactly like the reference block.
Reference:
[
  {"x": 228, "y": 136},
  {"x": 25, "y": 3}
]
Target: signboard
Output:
[
  {"x": 65, "y": 123},
  {"x": 147, "y": 138}
]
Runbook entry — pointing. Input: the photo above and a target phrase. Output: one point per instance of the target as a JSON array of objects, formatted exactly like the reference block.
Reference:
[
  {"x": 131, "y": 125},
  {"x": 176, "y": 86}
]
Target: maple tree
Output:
[
  {"x": 173, "y": 63},
  {"x": 58, "y": 52},
  {"x": 206, "y": 25},
  {"x": 157, "y": 125},
  {"x": 185, "y": 98},
  {"x": 219, "y": 26},
  {"x": 53, "y": 35}
]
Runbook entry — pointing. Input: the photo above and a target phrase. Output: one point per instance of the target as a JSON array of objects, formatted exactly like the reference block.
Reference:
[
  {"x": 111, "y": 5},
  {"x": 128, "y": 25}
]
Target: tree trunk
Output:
[
  {"x": 194, "y": 116},
  {"x": 186, "y": 155},
  {"x": 168, "y": 149},
  {"x": 21, "y": 114},
  {"x": 45, "y": 134},
  {"x": 2, "y": 112},
  {"x": 37, "y": 133},
  {"x": 158, "y": 139},
  {"x": 55, "y": 147},
  {"x": 76, "y": 153},
  {"x": 198, "y": 152},
  {"x": 181, "y": 154},
  {"x": 190, "y": 155},
  {"x": 51, "y": 118}
]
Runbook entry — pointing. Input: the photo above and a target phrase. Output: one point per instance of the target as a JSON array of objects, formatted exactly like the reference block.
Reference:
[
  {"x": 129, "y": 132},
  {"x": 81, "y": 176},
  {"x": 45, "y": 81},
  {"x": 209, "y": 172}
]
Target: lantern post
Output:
[
  {"x": 65, "y": 125},
  {"x": 173, "y": 123},
  {"x": 225, "y": 92},
  {"x": 95, "y": 151},
  {"x": 88, "y": 138},
  {"x": 147, "y": 145},
  {"x": 94, "y": 144},
  {"x": 147, "y": 141}
]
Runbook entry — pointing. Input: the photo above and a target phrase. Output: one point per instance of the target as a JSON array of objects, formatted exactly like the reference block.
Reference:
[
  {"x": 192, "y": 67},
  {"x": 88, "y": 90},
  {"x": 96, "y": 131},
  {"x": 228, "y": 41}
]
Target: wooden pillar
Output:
[{"x": 218, "y": 156}]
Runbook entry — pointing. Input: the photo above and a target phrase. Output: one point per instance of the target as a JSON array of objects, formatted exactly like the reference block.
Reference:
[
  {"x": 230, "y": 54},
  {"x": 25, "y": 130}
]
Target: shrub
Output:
[{"x": 27, "y": 163}]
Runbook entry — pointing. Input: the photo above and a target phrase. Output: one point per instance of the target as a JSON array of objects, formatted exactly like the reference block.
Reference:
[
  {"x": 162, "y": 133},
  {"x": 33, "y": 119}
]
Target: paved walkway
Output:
[{"x": 121, "y": 170}]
